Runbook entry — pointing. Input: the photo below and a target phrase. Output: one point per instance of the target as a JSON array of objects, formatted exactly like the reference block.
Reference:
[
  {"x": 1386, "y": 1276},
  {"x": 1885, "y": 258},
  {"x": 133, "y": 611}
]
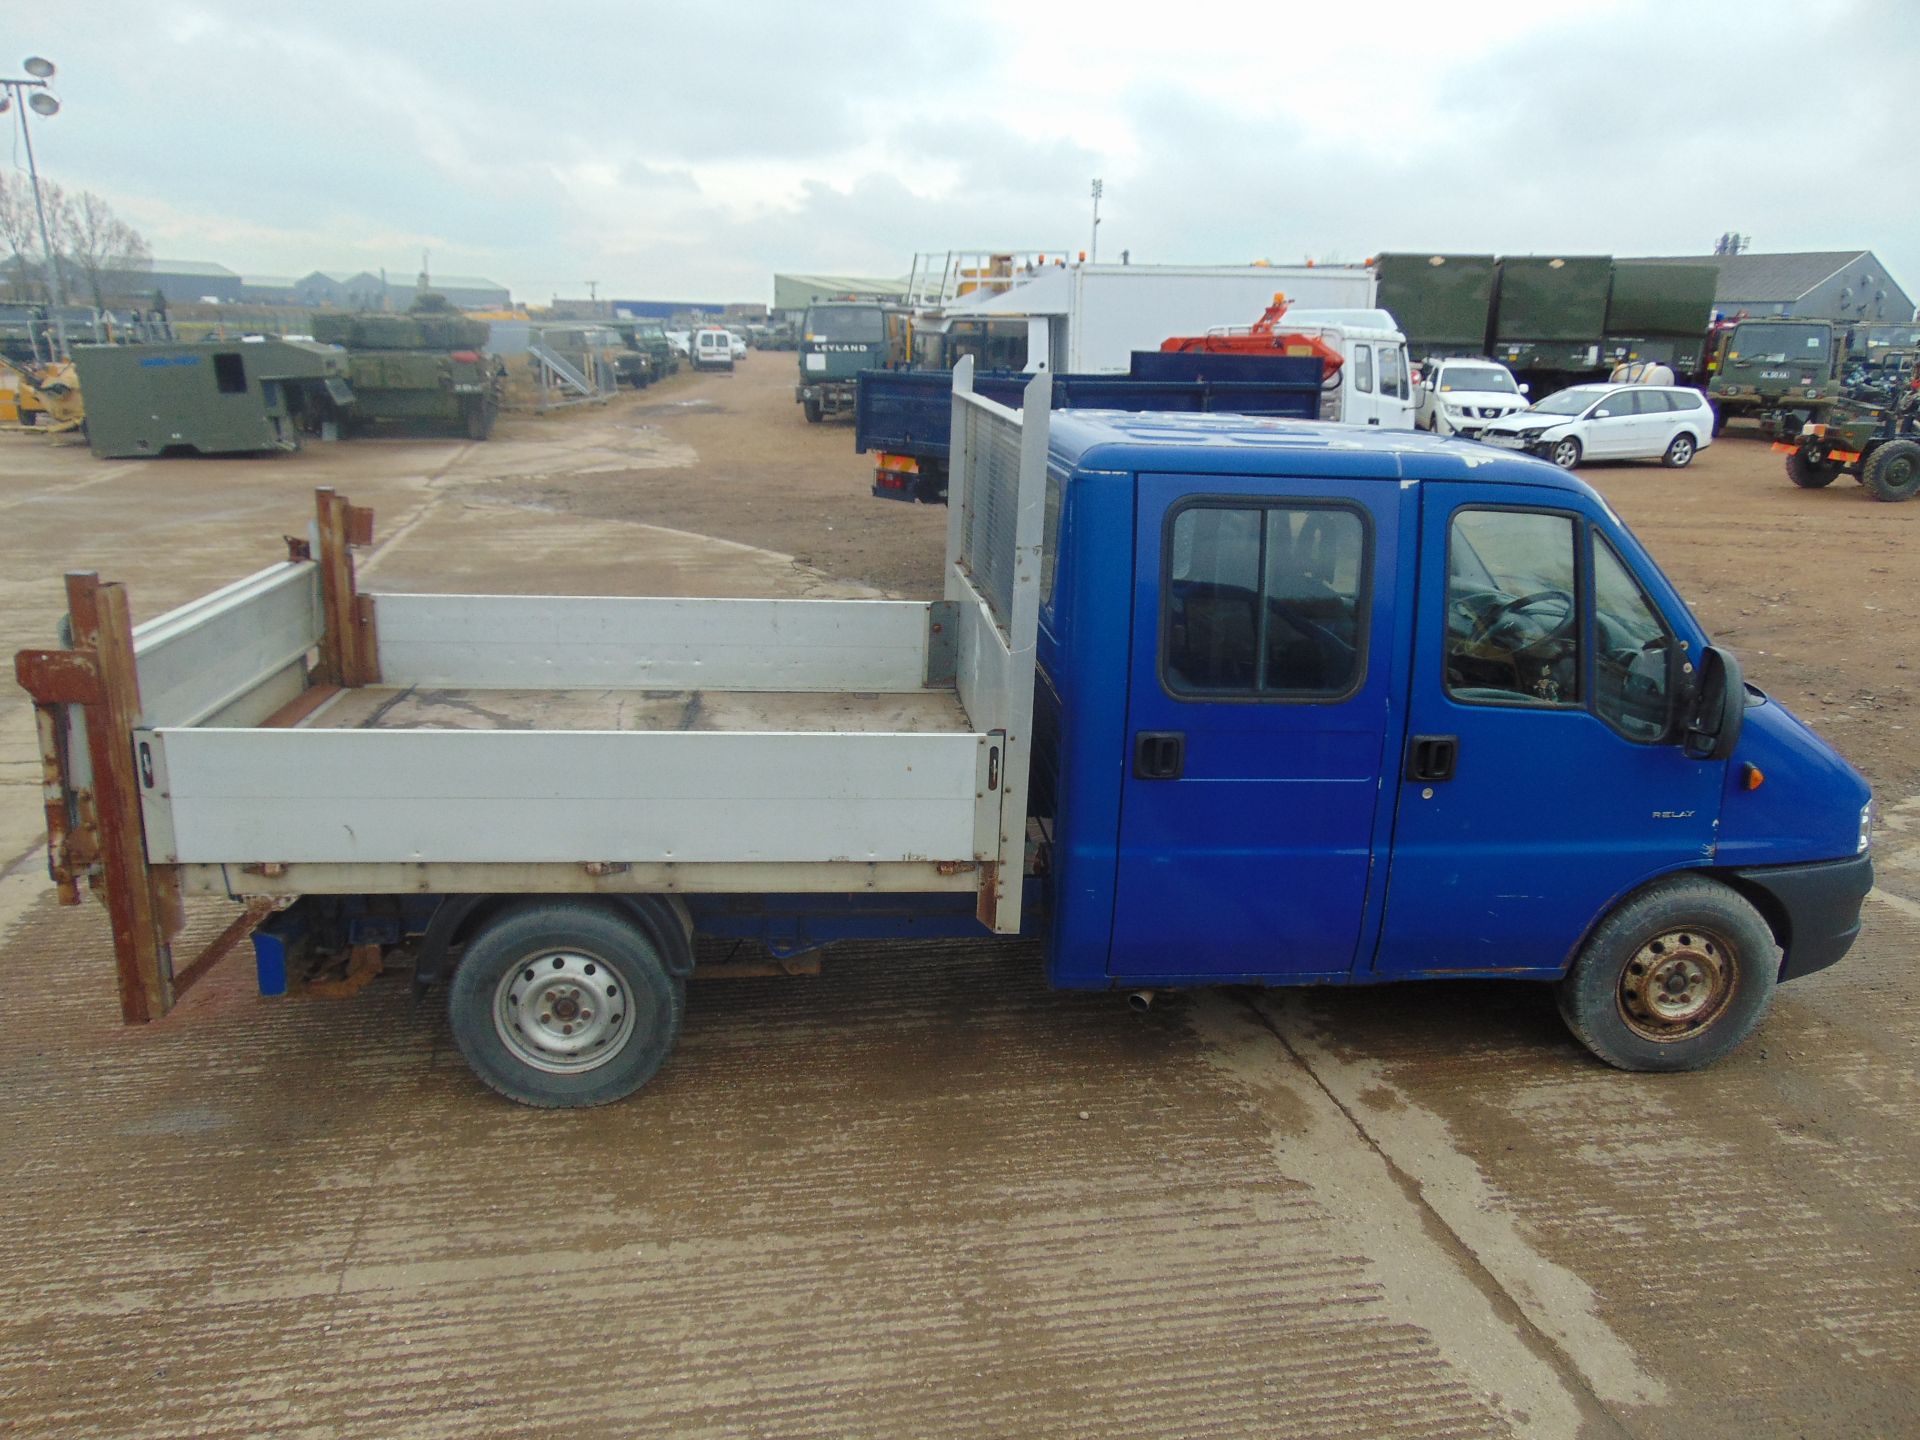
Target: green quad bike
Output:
[{"x": 1875, "y": 438}]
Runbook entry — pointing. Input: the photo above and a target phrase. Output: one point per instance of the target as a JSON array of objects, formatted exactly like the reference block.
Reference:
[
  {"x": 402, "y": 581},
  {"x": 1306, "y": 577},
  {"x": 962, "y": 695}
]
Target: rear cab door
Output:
[{"x": 1262, "y": 673}]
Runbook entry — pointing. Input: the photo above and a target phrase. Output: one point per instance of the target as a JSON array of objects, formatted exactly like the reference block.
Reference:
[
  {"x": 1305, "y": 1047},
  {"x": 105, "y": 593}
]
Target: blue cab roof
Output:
[{"x": 1178, "y": 443}]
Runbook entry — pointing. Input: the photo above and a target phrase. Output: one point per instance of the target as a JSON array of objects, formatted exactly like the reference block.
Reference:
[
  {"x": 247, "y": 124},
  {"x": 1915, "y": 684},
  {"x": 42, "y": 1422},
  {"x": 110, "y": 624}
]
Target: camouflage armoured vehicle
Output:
[{"x": 426, "y": 367}]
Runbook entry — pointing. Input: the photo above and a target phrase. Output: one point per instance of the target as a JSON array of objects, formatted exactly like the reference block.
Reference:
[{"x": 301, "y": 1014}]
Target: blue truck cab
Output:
[{"x": 1323, "y": 706}]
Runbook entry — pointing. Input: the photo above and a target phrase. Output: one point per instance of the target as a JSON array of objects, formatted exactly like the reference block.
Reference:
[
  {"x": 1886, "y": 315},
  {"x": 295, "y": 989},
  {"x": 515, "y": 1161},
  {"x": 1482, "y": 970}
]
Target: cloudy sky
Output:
[{"x": 688, "y": 150}]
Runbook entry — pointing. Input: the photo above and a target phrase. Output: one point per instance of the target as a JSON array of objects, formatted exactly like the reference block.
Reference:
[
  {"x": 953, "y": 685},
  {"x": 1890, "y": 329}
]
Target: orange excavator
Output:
[{"x": 1263, "y": 337}]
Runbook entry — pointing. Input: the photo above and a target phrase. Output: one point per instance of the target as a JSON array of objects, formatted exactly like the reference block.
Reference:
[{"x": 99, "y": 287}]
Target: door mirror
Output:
[
  {"x": 1603, "y": 413},
  {"x": 1713, "y": 708},
  {"x": 1525, "y": 388}
]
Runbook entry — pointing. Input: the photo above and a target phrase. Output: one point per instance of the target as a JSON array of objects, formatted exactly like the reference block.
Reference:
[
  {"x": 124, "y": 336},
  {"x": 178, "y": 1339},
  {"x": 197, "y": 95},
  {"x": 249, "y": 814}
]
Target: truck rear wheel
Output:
[
  {"x": 1810, "y": 471},
  {"x": 1674, "y": 979},
  {"x": 564, "y": 1003},
  {"x": 1892, "y": 471}
]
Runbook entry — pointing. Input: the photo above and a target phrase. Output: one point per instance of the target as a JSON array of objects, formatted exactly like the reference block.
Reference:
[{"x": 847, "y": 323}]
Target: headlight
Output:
[{"x": 1866, "y": 829}]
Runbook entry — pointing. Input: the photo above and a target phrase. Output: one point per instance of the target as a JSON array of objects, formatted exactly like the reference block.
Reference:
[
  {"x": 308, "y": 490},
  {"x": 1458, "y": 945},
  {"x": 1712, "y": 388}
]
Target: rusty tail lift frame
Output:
[{"x": 88, "y": 709}]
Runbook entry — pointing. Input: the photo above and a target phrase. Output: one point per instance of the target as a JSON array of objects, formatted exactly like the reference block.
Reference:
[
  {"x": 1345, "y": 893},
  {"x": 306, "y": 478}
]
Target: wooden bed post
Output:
[
  {"x": 349, "y": 643},
  {"x": 142, "y": 900}
]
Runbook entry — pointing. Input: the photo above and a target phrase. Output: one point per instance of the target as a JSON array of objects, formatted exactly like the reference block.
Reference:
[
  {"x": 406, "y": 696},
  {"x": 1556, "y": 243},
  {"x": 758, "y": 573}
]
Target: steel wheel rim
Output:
[
  {"x": 1677, "y": 984},
  {"x": 1565, "y": 455},
  {"x": 1901, "y": 473},
  {"x": 563, "y": 1011}
]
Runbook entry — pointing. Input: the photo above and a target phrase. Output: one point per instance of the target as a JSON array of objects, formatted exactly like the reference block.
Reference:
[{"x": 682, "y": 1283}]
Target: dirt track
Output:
[{"x": 921, "y": 1195}]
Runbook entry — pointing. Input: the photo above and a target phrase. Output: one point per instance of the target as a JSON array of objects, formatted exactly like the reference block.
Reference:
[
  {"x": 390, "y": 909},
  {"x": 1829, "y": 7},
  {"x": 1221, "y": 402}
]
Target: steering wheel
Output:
[{"x": 1563, "y": 627}]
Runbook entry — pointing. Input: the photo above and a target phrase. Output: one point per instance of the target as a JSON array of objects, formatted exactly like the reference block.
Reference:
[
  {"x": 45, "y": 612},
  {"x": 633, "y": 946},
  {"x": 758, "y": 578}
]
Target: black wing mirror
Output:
[{"x": 1713, "y": 707}]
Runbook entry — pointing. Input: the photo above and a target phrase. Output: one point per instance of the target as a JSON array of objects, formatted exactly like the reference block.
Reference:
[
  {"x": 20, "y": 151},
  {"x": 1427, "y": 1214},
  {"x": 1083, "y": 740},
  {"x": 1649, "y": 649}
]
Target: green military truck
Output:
[
  {"x": 207, "y": 397},
  {"x": 426, "y": 367},
  {"x": 838, "y": 340},
  {"x": 1443, "y": 304},
  {"x": 1660, "y": 313},
  {"x": 1781, "y": 373}
]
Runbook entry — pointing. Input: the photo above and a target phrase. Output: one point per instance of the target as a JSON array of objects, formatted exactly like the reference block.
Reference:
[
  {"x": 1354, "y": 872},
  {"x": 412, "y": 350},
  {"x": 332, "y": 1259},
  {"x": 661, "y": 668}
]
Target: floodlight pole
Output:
[
  {"x": 1093, "y": 244},
  {"x": 17, "y": 92}
]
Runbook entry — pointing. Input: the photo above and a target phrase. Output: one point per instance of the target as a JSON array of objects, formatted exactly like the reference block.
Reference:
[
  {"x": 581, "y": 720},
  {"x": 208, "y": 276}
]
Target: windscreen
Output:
[
  {"x": 1778, "y": 344},
  {"x": 847, "y": 322},
  {"x": 1567, "y": 402},
  {"x": 1477, "y": 377}
]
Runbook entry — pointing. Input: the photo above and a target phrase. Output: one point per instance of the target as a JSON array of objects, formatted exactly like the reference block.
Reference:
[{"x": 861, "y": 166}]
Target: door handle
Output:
[
  {"x": 1159, "y": 754},
  {"x": 1432, "y": 757}
]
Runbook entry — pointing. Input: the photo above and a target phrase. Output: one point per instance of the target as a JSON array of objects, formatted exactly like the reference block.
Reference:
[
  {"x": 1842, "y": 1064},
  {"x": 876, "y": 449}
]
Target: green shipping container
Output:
[
  {"x": 1442, "y": 303},
  {"x": 1553, "y": 299},
  {"x": 1668, "y": 300}
]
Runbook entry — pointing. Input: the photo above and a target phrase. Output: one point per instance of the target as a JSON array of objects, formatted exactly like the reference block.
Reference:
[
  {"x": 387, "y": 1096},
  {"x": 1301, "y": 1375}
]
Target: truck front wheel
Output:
[
  {"x": 812, "y": 408},
  {"x": 1810, "y": 471},
  {"x": 564, "y": 1003},
  {"x": 1674, "y": 979}
]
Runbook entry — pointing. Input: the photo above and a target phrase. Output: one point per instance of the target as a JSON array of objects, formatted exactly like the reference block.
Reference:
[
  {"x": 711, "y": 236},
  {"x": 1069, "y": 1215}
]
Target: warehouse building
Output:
[
  {"x": 1843, "y": 285},
  {"x": 333, "y": 290},
  {"x": 792, "y": 294},
  {"x": 186, "y": 281}
]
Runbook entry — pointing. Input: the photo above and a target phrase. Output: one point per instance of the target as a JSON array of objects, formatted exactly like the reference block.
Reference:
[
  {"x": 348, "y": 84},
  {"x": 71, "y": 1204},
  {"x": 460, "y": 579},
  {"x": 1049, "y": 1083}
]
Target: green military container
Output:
[
  {"x": 423, "y": 368},
  {"x": 207, "y": 397},
  {"x": 1442, "y": 303},
  {"x": 1660, "y": 312},
  {"x": 1550, "y": 313}
]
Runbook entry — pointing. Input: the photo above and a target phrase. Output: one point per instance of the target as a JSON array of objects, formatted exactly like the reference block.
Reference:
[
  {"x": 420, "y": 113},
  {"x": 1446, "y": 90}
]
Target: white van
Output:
[
  {"x": 1375, "y": 386},
  {"x": 712, "y": 349}
]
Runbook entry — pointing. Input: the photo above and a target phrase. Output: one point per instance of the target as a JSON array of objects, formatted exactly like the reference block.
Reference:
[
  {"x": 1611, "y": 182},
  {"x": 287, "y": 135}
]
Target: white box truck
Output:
[{"x": 1089, "y": 319}]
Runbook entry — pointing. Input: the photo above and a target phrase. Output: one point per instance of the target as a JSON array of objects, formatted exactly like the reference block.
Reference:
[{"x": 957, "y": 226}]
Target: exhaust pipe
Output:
[{"x": 1141, "y": 1001}]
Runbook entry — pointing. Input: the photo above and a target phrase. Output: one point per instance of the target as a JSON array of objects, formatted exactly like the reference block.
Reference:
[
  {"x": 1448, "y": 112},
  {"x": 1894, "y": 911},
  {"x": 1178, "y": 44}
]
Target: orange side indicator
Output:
[{"x": 1752, "y": 776}]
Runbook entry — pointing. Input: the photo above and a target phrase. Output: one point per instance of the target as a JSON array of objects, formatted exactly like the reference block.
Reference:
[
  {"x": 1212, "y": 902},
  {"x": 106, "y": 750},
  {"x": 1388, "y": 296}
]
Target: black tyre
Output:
[
  {"x": 1674, "y": 979},
  {"x": 564, "y": 1003},
  {"x": 1811, "y": 471},
  {"x": 1680, "y": 452},
  {"x": 1892, "y": 471},
  {"x": 1565, "y": 453},
  {"x": 812, "y": 408}
]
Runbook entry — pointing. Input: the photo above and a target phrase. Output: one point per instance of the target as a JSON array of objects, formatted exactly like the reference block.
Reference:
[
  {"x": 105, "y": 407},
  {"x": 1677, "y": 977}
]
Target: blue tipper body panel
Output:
[{"x": 910, "y": 412}]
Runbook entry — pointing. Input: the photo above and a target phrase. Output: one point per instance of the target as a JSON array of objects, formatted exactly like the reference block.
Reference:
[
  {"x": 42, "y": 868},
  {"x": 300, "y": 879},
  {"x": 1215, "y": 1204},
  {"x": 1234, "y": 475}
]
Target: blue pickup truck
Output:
[
  {"x": 1208, "y": 700},
  {"x": 903, "y": 416}
]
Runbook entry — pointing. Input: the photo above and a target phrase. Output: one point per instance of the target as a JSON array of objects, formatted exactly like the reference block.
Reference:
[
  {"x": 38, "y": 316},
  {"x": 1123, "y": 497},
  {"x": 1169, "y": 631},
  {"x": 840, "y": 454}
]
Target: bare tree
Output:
[
  {"x": 105, "y": 252},
  {"x": 20, "y": 230}
]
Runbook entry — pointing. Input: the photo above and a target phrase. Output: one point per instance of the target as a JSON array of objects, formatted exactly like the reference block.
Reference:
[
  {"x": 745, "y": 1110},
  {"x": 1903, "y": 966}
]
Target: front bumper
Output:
[{"x": 1821, "y": 906}]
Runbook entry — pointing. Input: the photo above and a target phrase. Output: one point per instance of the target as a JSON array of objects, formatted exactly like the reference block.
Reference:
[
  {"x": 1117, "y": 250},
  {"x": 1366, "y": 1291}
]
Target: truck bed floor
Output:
[{"x": 386, "y": 708}]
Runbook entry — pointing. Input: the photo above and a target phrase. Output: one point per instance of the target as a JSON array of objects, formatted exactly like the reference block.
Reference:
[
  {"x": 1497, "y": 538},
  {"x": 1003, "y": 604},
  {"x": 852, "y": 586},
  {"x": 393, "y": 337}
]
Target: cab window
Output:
[
  {"x": 1363, "y": 368},
  {"x": 1265, "y": 601},
  {"x": 1513, "y": 616},
  {"x": 1631, "y": 644},
  {"x": 1393, "y": 380}
]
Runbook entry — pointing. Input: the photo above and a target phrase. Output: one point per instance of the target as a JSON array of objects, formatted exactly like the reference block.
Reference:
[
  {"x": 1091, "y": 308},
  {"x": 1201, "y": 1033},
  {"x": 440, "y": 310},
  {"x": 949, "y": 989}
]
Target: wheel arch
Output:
[
  {"x": 664, "y": 919},
  {"x": 1769, "y": 906}
]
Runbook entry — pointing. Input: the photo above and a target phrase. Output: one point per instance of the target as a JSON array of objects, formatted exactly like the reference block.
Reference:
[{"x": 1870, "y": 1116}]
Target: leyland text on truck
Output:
[{"x": 1208, "y": 700}]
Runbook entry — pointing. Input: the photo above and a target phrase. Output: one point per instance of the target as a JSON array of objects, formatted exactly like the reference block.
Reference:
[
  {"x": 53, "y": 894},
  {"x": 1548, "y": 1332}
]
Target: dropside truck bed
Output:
[{"x": 290, "y": 735}]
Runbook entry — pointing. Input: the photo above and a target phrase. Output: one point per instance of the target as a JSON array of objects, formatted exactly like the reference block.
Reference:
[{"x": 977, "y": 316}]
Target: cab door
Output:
[
  {"x": 1536, "y": 784},
  {"x": 1262, "y": 663}
]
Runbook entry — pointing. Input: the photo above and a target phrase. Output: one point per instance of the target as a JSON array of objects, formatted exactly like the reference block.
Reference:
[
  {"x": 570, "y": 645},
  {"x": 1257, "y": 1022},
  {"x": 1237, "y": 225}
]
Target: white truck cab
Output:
[
  {"x": 1375, "y": 385},
  {"x": 1463, "y": 396}
]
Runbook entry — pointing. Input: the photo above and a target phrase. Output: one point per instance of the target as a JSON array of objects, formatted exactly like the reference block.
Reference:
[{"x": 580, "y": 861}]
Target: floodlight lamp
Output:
[
  {"x": 43, "y": 103},
  {"x": 37, "y": 67}
]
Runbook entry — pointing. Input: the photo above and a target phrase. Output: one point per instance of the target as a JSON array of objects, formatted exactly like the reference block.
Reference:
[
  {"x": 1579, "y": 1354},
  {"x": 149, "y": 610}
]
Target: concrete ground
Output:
[{"x": 921, "y": 1195}]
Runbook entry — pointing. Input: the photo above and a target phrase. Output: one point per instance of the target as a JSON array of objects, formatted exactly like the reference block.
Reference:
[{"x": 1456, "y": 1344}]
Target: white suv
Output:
[
  {"x": 1460, "y": 397},
  {"x": 1610, "y": 422}
]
